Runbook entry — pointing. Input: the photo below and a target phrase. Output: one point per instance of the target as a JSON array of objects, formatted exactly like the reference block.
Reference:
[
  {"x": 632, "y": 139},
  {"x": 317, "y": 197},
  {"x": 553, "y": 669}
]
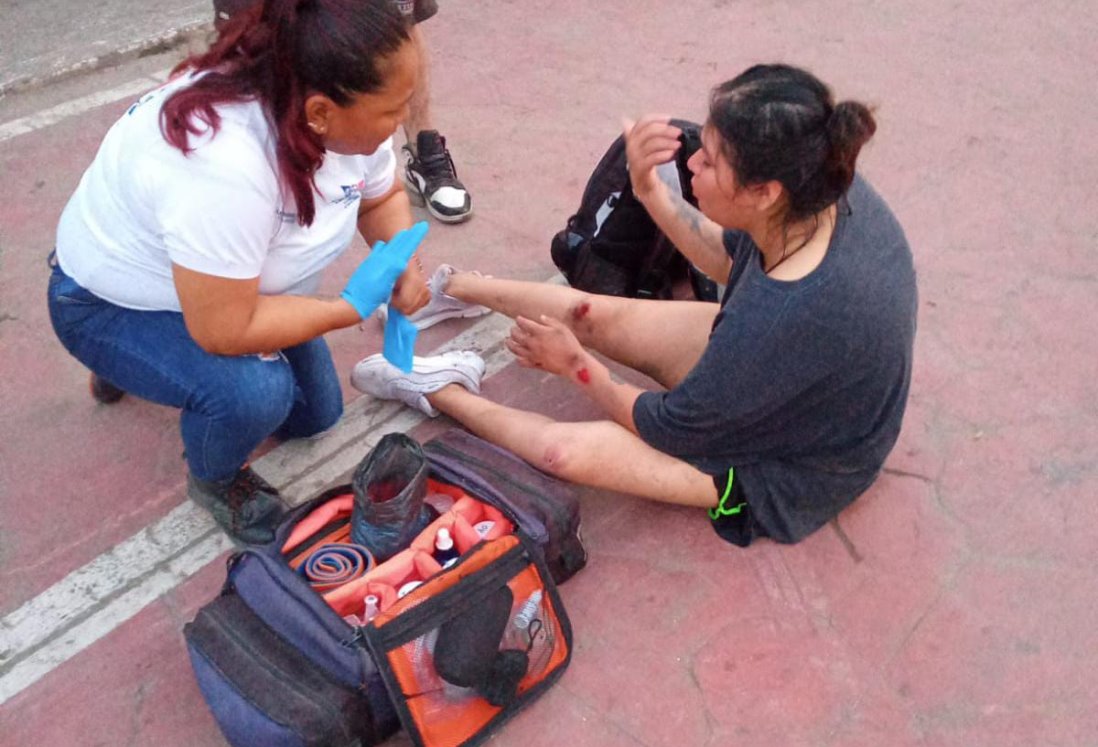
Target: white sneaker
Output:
[
  {"x": 441, "y": 306},
  {"x": 381, "y": 379}
]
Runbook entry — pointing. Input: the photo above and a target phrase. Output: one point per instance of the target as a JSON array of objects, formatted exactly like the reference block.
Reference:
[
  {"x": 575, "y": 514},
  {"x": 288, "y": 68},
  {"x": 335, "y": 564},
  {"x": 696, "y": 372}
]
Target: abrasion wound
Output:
[{"x": 579, "y": 319}]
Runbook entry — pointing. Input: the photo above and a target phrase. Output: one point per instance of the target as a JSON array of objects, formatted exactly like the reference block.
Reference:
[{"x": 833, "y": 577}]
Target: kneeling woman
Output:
[
  {"x": 187, "y": 258},
  {"x": 781, "y": 402}
]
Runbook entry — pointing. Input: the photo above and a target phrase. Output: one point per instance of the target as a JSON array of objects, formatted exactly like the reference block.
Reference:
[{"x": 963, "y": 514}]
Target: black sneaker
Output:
[
  {"x": 245, "y": 506},
  {"x": 433, "y": 181},
  {"x": 104, "y": 391}
]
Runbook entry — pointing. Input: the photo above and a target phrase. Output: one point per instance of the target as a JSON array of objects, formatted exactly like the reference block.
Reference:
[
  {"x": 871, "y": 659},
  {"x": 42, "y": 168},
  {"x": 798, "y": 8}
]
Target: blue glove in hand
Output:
[
  {"x": 400, "y": 340},
  {"x": 372, "y": 283}
]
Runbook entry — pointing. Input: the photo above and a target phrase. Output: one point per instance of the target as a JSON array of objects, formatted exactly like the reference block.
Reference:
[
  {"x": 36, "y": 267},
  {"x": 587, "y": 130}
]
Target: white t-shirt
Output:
[{"x": 219, "y": 210}]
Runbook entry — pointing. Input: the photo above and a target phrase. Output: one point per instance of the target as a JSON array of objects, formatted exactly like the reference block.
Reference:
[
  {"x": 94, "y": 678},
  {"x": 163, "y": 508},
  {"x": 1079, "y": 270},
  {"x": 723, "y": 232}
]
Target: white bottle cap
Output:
[
  {"x": 443, "y": 541},
  {"x": 529, "y": 609},
  {"x": 407, "y": 588}
]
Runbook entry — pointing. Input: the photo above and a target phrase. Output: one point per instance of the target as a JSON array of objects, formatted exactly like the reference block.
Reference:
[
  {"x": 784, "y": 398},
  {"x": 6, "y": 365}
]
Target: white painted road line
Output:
[
  {"x": 98, "y": 623},
  {"x": 93, "y": 600},
  {"x": 61, "y": 112}
]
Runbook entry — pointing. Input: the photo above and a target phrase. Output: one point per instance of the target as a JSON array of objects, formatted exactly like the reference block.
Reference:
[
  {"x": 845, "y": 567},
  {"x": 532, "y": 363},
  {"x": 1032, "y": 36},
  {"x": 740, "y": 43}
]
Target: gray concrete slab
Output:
[{"x": 42, "y": 40}]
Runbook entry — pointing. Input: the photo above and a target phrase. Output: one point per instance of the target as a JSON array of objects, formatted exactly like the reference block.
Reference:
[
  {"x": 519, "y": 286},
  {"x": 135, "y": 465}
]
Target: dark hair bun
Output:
[
  {"x": 779, "y": 122},
  {"x": 850, "y": 126}
]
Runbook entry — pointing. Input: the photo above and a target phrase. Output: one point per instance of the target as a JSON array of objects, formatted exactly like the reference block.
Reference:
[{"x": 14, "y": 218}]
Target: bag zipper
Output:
[
  {"x": 318, "y": 616},
  {"x": 334, "y": 714},
  {"x": 416, "y": 622}
]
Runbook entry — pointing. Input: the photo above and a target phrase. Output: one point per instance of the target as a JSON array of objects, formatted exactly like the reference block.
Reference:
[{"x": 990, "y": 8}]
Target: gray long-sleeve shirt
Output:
[{"x": 803, "y": 384}]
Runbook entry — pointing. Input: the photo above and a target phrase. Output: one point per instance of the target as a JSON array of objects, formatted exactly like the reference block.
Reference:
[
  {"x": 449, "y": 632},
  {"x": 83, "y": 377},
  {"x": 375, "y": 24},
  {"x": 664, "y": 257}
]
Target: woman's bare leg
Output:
[
  {"x": 419, "y": 108},
  {"x": 663, "y": 339},
  {"x": 599, "y": 454}
]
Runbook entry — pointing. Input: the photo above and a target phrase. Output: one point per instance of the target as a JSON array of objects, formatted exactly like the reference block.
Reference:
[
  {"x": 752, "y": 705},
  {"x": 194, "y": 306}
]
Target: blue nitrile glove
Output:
[
  {"x": 372, "y": 283},
  {"x": 400, "y": 340}
]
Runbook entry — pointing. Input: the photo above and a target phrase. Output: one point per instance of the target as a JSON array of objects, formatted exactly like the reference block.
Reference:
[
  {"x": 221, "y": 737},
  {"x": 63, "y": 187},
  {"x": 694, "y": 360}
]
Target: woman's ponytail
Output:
[
  {"x": 849, "y": 127},
  {"x": 300, "y": 151}
]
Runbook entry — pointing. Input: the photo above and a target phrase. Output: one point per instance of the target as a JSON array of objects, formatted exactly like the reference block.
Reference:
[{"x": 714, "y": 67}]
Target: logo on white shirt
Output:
[{"x": 352, "y": 193}]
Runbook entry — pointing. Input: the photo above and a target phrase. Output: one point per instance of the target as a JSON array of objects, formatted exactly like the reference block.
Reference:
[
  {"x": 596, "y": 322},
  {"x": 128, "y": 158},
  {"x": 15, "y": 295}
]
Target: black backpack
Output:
[{"x": 611, "y": 245}]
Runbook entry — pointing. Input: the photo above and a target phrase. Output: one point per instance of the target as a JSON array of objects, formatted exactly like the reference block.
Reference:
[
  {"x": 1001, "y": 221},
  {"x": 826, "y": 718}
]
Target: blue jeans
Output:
[{"x": 230, "y": 403}]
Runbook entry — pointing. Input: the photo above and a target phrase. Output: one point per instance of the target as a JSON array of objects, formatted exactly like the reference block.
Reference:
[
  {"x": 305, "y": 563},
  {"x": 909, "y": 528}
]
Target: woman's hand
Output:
[
  {"x": 546, "y": 344},
  {"x": 410, "y": 294},
  {"x": 648, "y": 143},
  {"x": 372, "y": 283}
]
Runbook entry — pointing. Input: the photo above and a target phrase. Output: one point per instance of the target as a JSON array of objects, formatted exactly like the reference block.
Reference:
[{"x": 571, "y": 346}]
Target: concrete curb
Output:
[{"x": 153, "y": 45}]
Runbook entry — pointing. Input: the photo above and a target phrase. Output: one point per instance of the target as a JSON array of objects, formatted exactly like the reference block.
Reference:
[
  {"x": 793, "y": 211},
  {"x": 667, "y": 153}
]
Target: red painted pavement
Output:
[{"x": 955, "y": 606}]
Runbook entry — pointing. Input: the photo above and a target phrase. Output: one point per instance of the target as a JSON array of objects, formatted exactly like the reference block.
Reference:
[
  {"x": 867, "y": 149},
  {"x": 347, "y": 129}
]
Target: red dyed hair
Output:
[{"x": 279, "y": 52}]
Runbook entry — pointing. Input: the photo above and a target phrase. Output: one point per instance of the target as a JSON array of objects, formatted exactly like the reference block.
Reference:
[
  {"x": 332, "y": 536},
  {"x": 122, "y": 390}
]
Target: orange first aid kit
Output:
[{"x": 314, "y": 642}]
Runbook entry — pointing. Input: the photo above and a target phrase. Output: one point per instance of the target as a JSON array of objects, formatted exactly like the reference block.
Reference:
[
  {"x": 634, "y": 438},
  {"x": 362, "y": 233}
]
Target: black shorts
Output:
[{"x": 732, "y": 518}]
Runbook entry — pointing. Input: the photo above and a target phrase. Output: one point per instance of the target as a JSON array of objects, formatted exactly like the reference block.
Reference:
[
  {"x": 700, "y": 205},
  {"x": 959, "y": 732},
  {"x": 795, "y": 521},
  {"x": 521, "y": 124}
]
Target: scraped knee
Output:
[
  {"x": 560, "y": 456},
  {"x": 586, "y": 315}
]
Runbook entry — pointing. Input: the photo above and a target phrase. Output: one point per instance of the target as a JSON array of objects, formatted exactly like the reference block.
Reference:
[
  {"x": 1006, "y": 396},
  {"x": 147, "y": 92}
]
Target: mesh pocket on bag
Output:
[{"x": 498, "y": 592}]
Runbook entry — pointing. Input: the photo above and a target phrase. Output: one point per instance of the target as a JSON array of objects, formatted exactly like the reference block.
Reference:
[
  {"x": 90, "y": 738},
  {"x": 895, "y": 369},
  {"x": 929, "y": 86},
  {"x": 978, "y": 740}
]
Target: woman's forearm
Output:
[
  {"x": 280, "y": 322},
  {"x": 382, "y": 218},
  {"x": 616, "y": 398},
  {"x": 698, "y": 238}
]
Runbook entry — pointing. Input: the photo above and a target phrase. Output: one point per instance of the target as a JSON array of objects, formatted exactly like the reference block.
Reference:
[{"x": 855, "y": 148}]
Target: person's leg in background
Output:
[
  {"x": 229, "y": 404},
  {"x": 429, "y": 172}
]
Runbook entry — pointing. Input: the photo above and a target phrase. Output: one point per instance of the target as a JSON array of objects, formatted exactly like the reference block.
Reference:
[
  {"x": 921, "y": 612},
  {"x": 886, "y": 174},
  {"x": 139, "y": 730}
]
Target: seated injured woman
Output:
[{"x": 779, "y": 404}]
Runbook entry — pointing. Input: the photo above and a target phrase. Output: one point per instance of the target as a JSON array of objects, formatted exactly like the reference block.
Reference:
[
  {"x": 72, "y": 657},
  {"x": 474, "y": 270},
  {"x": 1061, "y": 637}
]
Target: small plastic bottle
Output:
[
  {"x": 529, "y": 611},
  {"x": 408, "y": 588},
  {"x": 439, "y": 502},
  {"x": 517, "y": 633},
  {"x": 370, "y": 609},
  {"x": 444, "y": 546}
]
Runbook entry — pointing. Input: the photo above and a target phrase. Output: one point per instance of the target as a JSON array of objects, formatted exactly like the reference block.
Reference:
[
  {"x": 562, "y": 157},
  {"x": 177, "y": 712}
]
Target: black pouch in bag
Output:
[
  {"x": 389, "y": 486},
  {"x": 467, "y": 645}
]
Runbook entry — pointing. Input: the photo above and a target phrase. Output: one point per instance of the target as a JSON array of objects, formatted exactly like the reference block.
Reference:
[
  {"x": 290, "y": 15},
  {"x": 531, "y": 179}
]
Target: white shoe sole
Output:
[{"x": 417, "y": 198}]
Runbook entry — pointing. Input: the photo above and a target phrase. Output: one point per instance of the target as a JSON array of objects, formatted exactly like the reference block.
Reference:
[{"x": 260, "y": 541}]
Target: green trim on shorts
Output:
[{"x": 722, "y": 510}]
